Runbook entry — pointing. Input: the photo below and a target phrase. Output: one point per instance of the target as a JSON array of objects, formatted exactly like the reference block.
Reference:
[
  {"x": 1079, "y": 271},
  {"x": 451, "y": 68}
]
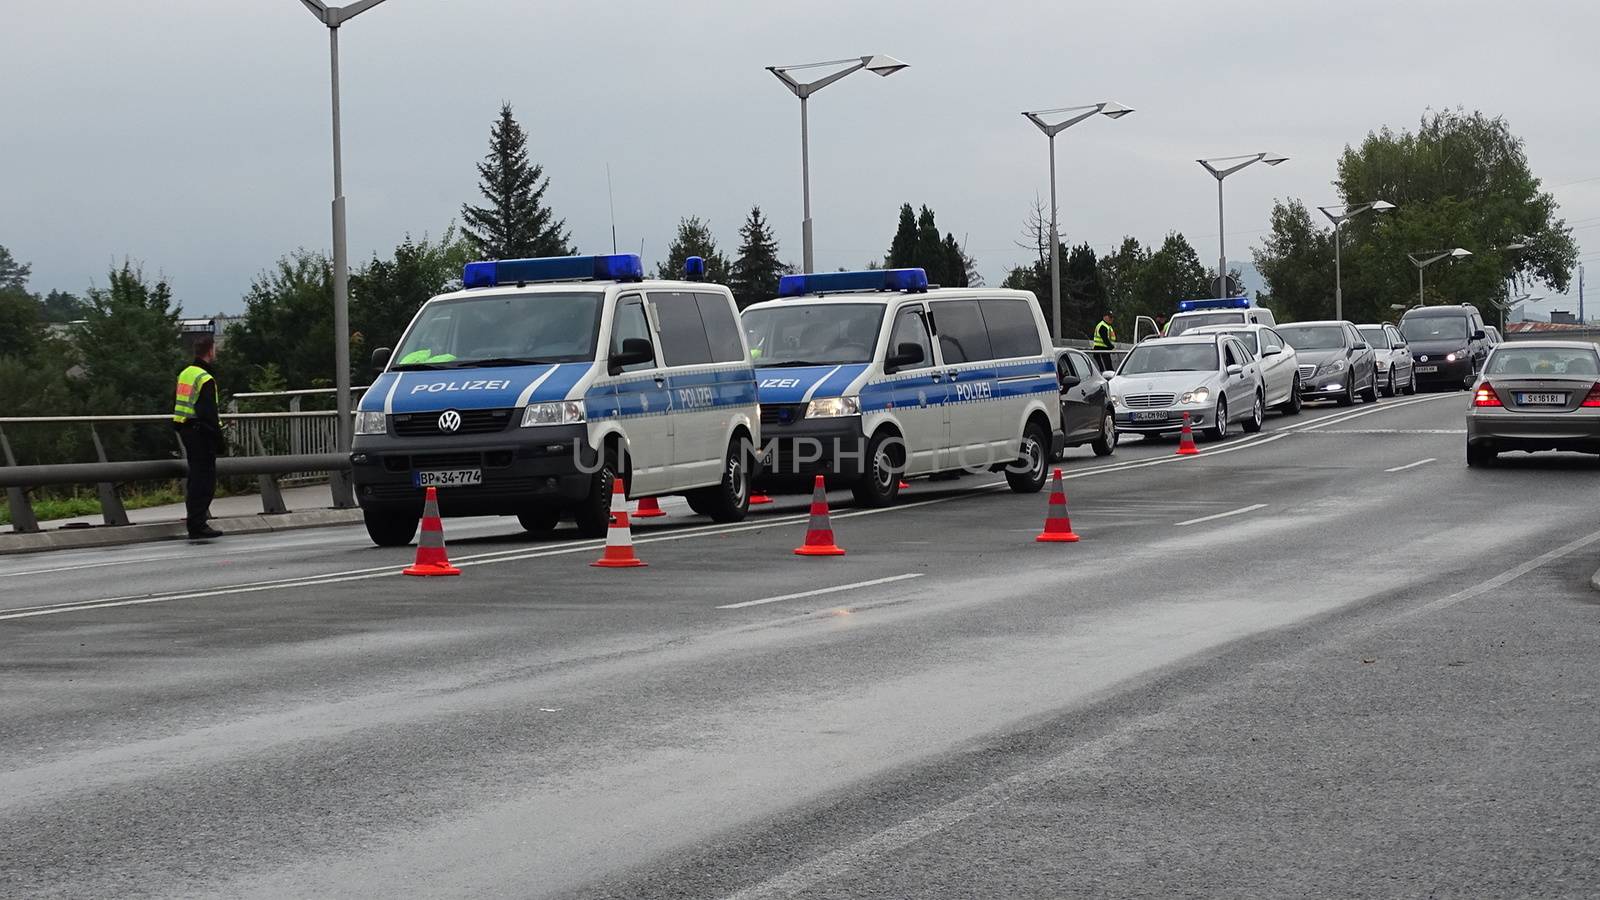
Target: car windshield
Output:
[
  {"x": 1434, "y": 328},
  {"x": 813, "y": 334},
  {"x": 504, "y": 329},
  {"x": 1374, "y": 335},
  {"x": 1199, "y": 320},
  {"x": 1313, "y": 337},
  {"x": 1538, "y": 361},
  {"x": 1147, "y": 359}
]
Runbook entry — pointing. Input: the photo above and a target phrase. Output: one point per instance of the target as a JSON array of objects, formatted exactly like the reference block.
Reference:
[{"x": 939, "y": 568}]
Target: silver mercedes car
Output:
[
  {"x": 1535, "y": 395},
  {"x": 1212, "y": 377}
]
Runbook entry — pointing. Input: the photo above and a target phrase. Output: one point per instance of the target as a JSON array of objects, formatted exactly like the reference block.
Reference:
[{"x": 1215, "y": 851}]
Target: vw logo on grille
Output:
[{"x": 450, "y": 422}]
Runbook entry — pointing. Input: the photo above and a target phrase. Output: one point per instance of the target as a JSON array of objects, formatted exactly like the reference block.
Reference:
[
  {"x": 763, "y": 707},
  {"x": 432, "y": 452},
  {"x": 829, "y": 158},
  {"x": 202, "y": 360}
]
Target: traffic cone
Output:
[
  {"x": 431, "y": 557},
  {"x": 1186, "y": 445},
  {"x": 1057, "y": 524},
  {"x": 619, "y": 537},
  {"x": 759, "y": 499},
  {"x": 819, "y": 533},
  {"x": 904, "y": 485},
  {"x": 649, "y": 508}
]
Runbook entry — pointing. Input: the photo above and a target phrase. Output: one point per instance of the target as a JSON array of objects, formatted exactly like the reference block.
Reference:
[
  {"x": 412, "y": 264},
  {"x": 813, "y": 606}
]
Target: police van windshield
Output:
[
  {"x": 503, "y": 330},
  {"x": 813, "y": 334},
  {"x": 1434, "y": 328},
  {"x": 1185, "y": 322},
  {"x": 1148, "y": 359},
  {"x": 1313, "y": 337}
]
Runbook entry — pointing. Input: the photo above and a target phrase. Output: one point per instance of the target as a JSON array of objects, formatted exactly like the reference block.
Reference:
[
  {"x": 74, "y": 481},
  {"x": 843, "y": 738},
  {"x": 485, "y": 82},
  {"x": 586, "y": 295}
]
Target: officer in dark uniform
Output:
[{"x": 195, "y": 416}]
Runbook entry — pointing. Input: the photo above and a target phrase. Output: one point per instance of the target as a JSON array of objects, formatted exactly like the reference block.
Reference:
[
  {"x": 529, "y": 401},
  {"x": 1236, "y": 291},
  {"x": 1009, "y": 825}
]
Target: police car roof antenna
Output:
[{"x": 611, "y": 199}]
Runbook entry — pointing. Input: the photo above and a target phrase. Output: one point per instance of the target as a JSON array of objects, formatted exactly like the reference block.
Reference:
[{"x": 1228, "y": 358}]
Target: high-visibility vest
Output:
[
  {"x": 1104, "y": 335},
  {"x": 191, "y": 382}
]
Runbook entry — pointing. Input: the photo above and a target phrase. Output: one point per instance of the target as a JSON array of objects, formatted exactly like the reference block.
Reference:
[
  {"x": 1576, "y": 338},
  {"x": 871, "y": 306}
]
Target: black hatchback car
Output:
[
  {"x": 1448, "y": 344},
  {"x": 1086, "y": 411}
]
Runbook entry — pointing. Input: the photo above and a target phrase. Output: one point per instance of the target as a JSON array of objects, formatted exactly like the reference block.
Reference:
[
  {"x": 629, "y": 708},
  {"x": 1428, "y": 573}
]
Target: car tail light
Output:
[
  {"x": 1594, "y": 396},
  {"x": 1487, "y": 397}
]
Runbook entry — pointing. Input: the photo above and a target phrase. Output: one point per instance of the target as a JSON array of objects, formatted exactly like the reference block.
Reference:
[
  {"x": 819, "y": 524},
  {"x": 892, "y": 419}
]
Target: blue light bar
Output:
[
  {"x": 489, "y": 273},
  {"x": 694, "y": 268},
  {"x": 909, "y": 280},
  {"x": 1214, "y": 303}
]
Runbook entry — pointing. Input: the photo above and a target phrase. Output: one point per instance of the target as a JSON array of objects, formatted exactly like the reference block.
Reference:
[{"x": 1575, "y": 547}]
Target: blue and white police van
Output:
[
  {"x": 529, "y": 390},
  {"x": 1218, "y": 311},
  {"x": 866, "y": 377}
]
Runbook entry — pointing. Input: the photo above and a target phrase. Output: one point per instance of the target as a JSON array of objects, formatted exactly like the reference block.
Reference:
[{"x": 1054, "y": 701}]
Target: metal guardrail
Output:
[{"x": 307, "y": 438}]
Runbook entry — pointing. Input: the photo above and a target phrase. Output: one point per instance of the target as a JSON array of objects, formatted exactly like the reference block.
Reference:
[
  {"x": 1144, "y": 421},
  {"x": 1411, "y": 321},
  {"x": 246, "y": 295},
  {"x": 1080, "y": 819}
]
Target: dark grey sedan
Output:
[
  {"x": 1535, "y": 395},
  {"x": 1086, "y": 411}
]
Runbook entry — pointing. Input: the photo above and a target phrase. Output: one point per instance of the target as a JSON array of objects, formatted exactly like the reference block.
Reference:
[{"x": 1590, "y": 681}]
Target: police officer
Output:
[
  {"x": 199, "y": 427},
  {"x": 1105, "y": 339}
]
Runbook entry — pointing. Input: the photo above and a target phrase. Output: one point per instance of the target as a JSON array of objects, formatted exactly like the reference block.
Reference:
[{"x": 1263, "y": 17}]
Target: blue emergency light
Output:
[
  {"x": 493, "y": 272},
  {"x": 909, "y": 280},
  {"x": 694, "y": 268},
  {"x": 1214, "y": 303}
]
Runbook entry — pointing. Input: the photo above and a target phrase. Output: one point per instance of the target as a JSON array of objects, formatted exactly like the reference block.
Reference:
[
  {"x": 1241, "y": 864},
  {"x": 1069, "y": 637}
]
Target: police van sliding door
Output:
[
  {"x": 704, "y": 355},
  {"x": 970, "y": 373},
  {"x": 916, "y": 393},
  {"x": 644, "y": 405}
]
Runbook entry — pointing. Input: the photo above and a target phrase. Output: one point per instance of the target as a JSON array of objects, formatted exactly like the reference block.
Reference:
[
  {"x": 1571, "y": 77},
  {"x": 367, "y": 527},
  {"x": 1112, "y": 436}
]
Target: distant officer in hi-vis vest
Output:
[{"x": 195, "y": 417}]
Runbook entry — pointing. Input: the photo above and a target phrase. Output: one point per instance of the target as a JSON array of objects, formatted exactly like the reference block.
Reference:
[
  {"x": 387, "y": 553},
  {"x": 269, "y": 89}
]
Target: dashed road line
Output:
[
  {"x": 1223, "y": 515},
  {"x": 1420, "y": 462},
  {"x": 827, "y": 590}
]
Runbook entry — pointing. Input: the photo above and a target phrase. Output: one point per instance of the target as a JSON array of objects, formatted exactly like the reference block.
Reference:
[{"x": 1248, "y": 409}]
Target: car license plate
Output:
[
  {"x": 1426, "y": 369},
  {"x": 448, "y": 478},
  {"x": 1149, "y": 417},
  {"x": 1542, "y": 399}
]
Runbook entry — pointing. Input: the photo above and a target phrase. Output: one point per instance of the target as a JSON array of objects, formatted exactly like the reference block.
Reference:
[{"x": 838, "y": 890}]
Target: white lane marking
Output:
[
  {"x": 862, "y": 853},
  {"x": 1395, "y": 431},
  {"x": 1339, "y": 418},
  {"x": 1223, "y": 515},
  {"x": 707, "y": 531},
  {"x": 1420, "y": 462},
  {"x": 827, "y": 590}
]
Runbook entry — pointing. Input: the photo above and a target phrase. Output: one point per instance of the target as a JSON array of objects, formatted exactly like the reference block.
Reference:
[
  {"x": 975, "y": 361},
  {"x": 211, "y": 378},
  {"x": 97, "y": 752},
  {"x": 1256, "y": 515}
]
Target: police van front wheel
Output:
[
  {"x": 879, "y": 485},
  {"x": 389, "y": 529},
  {"x": 729, "y": 500},
  {"x": 593, "y": 512},
  {"x": 1027, "y": 474}
]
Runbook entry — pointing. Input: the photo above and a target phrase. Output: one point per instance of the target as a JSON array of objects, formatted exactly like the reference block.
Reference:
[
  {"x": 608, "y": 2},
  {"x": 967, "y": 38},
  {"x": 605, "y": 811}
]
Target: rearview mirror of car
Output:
[
  {"x": 1479, "y": 335},
  {"x": 380, "y": 358},
  {"x": 634, "y": 350},
  {"x": 1271, "y": 351},
  {"x": 1070, "y": 381},
  {"x": 1108, "y": 374},
  {"x": 1236, "y": 370},
  {"x": 907, "y": 354}
]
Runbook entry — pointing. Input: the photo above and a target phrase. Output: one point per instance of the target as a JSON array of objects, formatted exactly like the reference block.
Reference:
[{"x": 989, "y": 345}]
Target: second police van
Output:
[
  {"x": 528, "y": 391},
  {"x": 866, "y": 377}
]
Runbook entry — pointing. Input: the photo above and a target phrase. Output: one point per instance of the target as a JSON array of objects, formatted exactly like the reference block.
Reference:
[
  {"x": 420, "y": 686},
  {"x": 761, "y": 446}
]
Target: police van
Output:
[
  {"x": 866, "y": 377},
  {"x": 529, "y": 390},
  {"x": 1218, "y": 311}
]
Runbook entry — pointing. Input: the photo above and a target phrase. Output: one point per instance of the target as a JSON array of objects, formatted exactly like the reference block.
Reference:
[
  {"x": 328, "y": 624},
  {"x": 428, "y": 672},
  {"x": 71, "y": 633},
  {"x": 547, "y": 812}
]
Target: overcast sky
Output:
[{"x": 193, "y": 135}]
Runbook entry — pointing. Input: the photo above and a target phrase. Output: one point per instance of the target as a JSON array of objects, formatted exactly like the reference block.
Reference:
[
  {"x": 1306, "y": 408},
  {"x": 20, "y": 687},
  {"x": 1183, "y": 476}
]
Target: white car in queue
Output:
[
  {"x": 1280, "y": 364},
  {"x": 868, "y": 377},
  {"x": 1210, "y": 377}
]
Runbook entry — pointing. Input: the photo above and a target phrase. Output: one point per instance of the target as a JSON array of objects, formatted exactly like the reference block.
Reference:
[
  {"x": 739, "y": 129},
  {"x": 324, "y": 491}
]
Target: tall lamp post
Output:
[
  {"x": 1424, "y": 260},
  {"x": 1075, "y": 114},
  {"x": 333, "y": 17},
  {"x": 1220, "y": 168},
  {"x": 877, "y": 64},
  {"x": 1338, "y": 216}
]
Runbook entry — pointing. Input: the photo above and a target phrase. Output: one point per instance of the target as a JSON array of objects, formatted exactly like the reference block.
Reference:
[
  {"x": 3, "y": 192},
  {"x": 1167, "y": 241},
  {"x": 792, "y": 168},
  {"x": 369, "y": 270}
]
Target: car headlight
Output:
[
  {"x": 372, "y": 423},
  {"x": 1198, "y": 395},
  {"x": 560, "y": 412},
  {"x": 1334, "y": 367},
  {"x": 1116, "y": 399},
  {"x": 833, "y": 407},
  {"x": 1449, "y": 357}
]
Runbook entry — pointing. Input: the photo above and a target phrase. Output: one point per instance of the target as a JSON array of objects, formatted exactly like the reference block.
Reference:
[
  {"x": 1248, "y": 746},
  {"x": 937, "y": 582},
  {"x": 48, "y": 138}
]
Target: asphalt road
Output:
[{"x": 1327, "y": 660}]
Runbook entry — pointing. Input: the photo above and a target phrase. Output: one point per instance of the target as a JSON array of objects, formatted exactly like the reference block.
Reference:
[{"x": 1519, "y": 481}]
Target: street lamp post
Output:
[
  {"x": 1249, "y": 159},
  {"x": 1076, "y": 114},
  {"x": 333, "y": 17},
  {"x": 1424, "y": 260},
  {"x": 1338, "y": 219},
  {"x": 877, "y": 64}
]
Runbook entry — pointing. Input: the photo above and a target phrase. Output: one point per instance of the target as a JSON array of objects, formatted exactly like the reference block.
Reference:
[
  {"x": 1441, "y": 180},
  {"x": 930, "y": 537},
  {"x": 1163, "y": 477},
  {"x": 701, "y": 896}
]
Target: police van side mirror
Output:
[
  {"x": 380, "y": 358},
  {"x": 905, "y": 355},
  {"x": 634, "y": 351}
]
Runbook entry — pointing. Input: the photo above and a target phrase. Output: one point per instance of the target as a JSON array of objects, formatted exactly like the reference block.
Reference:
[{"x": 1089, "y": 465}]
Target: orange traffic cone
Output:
[
  {"x": 819, "y": 533},
  {"x": 1186, "y": 445},
  {"x": 1057, "y": 524},
  {"x": 431, "y": 557},
  {"x": 649, "y": 508},
  {"x": 619, "y": 538},
  {"x": 759, "y": 499},
  {"x": 904, "y": 485}
]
